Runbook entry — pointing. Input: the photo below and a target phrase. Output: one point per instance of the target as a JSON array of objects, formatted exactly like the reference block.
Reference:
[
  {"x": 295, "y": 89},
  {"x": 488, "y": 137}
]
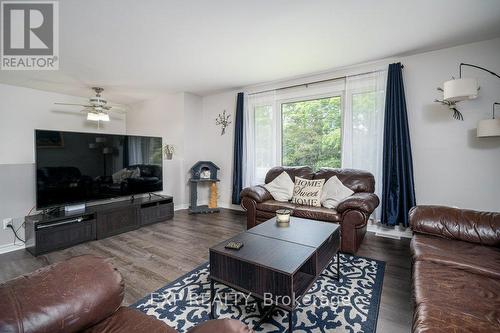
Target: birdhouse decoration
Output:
[{"x": 204, "y": 172}]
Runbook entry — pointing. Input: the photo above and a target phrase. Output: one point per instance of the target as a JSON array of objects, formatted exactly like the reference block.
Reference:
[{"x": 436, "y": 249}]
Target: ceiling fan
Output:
[{"x": 97, "y": 108}]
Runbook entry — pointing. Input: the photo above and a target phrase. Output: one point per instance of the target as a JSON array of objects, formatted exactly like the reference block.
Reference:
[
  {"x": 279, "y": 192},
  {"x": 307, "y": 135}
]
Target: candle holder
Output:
[{"x": 283, "y": 217}]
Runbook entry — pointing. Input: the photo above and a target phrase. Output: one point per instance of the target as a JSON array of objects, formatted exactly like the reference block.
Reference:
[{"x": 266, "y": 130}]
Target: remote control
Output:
[{"x": 234, "y": 245}]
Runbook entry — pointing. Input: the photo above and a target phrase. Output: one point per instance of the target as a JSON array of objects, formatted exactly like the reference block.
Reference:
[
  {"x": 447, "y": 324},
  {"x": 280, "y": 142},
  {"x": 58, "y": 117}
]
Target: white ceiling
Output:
[{"x": 138, "y": 49}]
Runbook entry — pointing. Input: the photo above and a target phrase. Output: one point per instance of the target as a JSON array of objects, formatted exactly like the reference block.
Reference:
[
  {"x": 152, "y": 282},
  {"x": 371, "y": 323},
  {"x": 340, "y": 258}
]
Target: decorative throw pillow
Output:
[
  {"x": 281, "y": 188},
  {"x": 307, "y": 191},
  {"x": 121, "y": 175},
  {"x": 334, "y": 192},
  {"x": 136, "y": 173}
]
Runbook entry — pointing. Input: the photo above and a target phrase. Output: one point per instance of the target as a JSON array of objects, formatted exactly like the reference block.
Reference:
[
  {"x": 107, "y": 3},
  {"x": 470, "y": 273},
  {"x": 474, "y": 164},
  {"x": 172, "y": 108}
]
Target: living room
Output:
[{"x": 305, "y": 166}]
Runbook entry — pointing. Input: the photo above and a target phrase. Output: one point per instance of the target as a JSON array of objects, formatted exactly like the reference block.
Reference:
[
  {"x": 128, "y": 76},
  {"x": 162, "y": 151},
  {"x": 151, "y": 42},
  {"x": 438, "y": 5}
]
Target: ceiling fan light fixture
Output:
[
  {"x": 460, "y": 90},
  {"x": 93, "y": 116},
  {"x": 103, "y": 116},
  {"x": 97, "y": 109}
]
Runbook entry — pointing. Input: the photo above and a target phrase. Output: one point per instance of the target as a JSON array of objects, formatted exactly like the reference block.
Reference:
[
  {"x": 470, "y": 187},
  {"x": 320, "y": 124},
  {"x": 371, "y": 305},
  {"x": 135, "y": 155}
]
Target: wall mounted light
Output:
[
  {"x": 489, "y": 127},
  {"x": 461, "y": 89}
]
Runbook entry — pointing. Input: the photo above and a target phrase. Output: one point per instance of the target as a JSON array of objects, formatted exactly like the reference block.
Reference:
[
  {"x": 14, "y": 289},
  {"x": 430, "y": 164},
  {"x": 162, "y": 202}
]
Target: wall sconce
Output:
[
  {"x": 489, "y": 127},
  {"x": 461, "y": 89}
]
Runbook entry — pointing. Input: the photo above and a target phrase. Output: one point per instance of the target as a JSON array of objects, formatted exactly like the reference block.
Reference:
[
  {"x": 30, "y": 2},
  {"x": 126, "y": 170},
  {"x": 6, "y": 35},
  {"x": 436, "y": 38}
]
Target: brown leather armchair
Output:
[
  {"x": 352, "y": 213},
  {"x": 82, "y": 294},
  {"x": 456, "y": 270}
]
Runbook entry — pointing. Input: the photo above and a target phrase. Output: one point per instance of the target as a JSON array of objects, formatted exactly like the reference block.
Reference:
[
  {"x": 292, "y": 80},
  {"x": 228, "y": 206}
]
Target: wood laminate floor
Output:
[{"x": 152, "y": 256}]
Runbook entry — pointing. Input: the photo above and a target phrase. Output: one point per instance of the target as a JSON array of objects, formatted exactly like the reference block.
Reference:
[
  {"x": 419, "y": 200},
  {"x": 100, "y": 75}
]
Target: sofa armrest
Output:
[
  {"x": 257, "y": 193},
  {"x": 363, "y": 201},
  {"x": 68, "y": 296},
  {"x": 454, "y": 223}
]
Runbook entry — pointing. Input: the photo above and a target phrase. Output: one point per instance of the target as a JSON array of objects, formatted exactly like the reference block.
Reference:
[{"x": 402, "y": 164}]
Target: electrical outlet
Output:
[{"x": 6, "y": 222}]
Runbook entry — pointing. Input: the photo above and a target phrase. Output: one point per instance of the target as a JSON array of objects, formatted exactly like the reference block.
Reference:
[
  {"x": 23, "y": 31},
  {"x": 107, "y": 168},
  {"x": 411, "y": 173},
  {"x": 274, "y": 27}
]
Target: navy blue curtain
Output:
[
  {"x": 398, "y": 192},
  {"x": 238, "y": 151}
]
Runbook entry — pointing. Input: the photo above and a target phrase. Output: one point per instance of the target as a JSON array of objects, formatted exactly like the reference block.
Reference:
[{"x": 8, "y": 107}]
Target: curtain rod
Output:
[{"x": 319, "y": 81}]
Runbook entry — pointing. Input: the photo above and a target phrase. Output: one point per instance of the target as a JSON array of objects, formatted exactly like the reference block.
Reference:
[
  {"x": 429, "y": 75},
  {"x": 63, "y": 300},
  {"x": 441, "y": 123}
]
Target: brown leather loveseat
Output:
[
  {"x": 352, "y": 213},
  {"x": 456, "y": 270},
  {"x": 82, "y": 294}
]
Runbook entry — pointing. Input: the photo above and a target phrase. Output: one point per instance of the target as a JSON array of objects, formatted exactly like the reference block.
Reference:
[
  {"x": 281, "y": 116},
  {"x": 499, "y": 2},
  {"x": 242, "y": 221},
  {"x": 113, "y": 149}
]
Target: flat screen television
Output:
[{"x": 74, "y": 168}]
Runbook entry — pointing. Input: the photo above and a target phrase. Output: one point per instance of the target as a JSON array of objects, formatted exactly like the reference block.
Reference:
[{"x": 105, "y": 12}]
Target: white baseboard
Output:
[
  {"x": 181, "y": 206},
  {"x": 11, "y": 247},
  {"x": 384, "y": 231}
]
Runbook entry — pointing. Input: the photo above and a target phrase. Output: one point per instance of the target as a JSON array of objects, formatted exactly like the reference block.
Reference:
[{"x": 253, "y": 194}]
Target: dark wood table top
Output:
[
  {"x": 279, "y": 248},
  {"x": 301, "y": 231},
  {"x": 273, "y": 253}
]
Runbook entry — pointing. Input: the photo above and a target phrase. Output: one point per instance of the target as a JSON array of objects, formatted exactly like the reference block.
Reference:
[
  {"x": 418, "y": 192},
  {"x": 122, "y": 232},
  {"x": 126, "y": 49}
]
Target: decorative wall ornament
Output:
[
  {"x": 223, "y": 121},
  {"x": 169, "y": 151},
  {"x": 452, "y": 105}
]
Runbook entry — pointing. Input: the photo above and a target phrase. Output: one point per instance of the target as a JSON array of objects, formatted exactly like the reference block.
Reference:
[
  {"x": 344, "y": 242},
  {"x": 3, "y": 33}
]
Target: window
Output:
[
  {"x": 334, "y": 124},
  {"x": 264, "y": 139},
  {"x": 312, "y": 132},
  {"x": 365, "y": 129}
]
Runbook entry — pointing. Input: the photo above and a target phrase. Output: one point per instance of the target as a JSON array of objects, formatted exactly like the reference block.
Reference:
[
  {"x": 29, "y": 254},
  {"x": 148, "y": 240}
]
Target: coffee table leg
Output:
[
  {"x": 212, "y": 297},
  {"x": 290, "y": 321},
  {"x": 337, "y": 276}
]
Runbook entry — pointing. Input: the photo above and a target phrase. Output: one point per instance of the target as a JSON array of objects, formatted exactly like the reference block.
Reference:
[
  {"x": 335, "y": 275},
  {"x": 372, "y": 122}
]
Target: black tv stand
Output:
[
  {"x": 57, "y": 229},
  {"x": 151, "y": 194}
]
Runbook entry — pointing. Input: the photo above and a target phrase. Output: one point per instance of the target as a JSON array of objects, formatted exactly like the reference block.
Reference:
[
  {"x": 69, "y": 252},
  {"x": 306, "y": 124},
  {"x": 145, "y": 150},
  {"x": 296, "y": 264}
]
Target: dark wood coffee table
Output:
[{"x": 276, "y": 262}]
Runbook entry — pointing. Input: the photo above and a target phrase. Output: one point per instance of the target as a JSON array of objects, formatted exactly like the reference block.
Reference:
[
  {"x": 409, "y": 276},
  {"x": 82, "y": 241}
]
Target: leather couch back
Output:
[
  {"x": 148, "y": 170},
  {"x": 454, "y": 223},
  {"x": 356, "y": 180},
  {"x": 66, "y": 297},
  {"x": 300, "y": 171}
]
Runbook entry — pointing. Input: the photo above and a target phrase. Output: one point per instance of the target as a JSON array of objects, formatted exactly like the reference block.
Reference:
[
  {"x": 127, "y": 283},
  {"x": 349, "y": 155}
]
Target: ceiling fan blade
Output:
[
  {"x": 118, "y": 111},
  {"x": 74, "y": 104},
  {"x": 68, "y": 112},
  {"x": 118, "y": 106}
]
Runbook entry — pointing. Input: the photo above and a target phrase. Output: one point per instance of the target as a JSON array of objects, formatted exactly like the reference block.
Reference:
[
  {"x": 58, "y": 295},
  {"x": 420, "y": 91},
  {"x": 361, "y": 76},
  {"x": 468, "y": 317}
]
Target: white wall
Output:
[
  {"x": 451, "y": 165},
  {"x": 23, "y": 110},
  {"x": 219, "y": 148},
  {"x": 177, "y": 119}
]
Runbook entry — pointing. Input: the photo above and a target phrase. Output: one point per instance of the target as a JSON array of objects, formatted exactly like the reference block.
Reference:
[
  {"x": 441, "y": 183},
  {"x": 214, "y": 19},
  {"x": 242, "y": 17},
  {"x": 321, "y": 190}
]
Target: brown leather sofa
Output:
[
  {"x": 82, "y": 294},
  {"x": 352, "y": 213},
  {"x": 456, "y": 270}
]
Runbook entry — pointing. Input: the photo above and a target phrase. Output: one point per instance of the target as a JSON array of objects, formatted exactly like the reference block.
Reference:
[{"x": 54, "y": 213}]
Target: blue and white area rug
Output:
[{"x": 348, "y": 305}]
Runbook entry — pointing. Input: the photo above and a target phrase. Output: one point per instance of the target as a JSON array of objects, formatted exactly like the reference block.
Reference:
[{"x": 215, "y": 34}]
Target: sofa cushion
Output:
[
  {"x": 334, "y": 192},
  {"x": 58, "y": 299},
  {"x": 307, "y": 192},
  {"x": 453, "y": 300},
  {"x": 317, "y": 213},
  {"x": 130, "y": 321},
  {"x": 281, "y": 188},
  {"x": 466, "y": 256},
  {"x": 272, "y": 206}
]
